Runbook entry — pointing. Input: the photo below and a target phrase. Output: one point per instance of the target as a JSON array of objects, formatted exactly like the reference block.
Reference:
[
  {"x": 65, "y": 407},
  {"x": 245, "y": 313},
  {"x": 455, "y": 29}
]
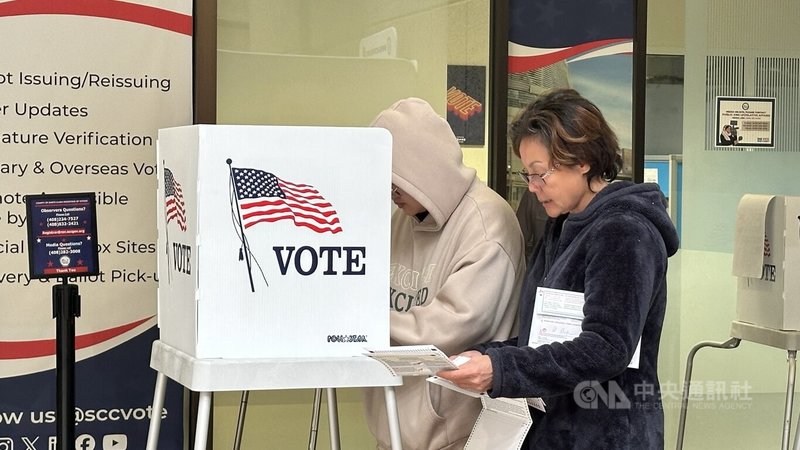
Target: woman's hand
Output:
[{"x": 475, "y": 374}]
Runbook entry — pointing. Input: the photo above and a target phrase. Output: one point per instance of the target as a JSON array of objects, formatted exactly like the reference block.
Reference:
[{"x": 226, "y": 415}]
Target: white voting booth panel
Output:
[
  {"x": 766, "y": 260},
  {"x": 273, "y": 241}
]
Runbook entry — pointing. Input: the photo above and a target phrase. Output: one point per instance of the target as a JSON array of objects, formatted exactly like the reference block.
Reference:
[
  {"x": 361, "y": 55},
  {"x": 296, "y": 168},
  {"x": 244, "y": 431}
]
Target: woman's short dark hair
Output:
[{"x": 574, "y": 131}]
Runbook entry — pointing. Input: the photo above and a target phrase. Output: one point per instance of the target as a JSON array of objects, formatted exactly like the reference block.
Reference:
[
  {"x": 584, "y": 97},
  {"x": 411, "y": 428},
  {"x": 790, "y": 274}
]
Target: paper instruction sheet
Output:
[{"x": 557, "y": 317}]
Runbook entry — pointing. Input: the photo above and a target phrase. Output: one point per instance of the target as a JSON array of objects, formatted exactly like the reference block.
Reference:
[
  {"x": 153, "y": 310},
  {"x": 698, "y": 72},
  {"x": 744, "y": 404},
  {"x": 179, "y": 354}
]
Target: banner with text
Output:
[{"x": 84, "y": 88}]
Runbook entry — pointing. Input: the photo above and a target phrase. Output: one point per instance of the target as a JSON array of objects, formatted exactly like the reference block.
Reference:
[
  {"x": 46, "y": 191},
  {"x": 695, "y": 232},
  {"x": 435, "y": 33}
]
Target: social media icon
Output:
[
  {"x": 30, "y": 444},
  {"x": 115, "y": 442},
  {"x": 85, "y": 442},
  {"x": 6, "y": 443}
]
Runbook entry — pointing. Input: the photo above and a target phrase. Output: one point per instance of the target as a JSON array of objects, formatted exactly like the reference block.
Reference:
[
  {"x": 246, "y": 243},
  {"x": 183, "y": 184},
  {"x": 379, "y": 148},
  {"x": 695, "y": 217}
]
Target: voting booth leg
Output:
[
  {"x": 155, "y": 417},
  {"x": 730, "y": 343},
  {"x": 787, "y": 412},
  {"x": 333, "y": 418},
  {"x": 237, "y": 439},
  {"x": 203, "y": 414},
  {"x": 796, "y": 445},
  {"x": 394, "y": 420},
  {"x": 66, "y": 306},
  {"x": 312, "y": 435}
]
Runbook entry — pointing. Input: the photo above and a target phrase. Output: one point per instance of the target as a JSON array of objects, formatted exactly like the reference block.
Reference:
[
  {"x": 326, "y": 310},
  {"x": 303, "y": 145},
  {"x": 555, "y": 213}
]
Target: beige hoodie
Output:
[{"x": 455, "y": 276}]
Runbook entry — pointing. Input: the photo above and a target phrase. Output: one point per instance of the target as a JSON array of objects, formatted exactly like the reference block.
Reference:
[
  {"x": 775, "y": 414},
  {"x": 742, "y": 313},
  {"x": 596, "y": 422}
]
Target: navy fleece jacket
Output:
[{"x": 614, "y": 252}]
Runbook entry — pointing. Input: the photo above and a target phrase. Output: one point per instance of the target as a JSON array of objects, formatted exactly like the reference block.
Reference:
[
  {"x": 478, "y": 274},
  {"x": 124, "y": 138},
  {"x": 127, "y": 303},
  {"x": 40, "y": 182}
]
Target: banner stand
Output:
[
  {"x": 66, "y": 307},
  {"x": 62, "y": 237}
]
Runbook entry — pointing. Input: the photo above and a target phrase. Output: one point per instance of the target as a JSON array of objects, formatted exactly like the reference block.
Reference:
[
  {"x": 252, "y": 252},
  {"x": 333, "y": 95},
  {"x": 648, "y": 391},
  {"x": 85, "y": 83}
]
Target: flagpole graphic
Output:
[
  {"x": 245, "y": 248},
  {"x": 262, "y": 197},
  {"x": 166, "y": 227}
]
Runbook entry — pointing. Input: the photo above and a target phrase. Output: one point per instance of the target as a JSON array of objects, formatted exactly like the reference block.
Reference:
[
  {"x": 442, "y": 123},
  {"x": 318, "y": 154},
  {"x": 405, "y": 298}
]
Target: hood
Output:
[
  {"x": 426, "y": 157},
  {"x": 645, "y": 199}
]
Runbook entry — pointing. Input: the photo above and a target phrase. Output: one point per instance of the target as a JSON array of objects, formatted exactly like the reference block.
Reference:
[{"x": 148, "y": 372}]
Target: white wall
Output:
[{"x": 713, "y": 183}]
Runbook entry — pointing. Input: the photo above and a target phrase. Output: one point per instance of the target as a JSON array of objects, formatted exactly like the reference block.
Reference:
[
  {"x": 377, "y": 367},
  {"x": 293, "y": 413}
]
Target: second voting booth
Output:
[
  {"x": 766, "y": 260},
  {"x": 273, "y": 255}
]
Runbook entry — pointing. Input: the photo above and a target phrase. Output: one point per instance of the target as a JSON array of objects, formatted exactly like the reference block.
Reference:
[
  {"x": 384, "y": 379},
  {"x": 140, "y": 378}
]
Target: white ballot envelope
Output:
[{"x": 501, "y": 425}]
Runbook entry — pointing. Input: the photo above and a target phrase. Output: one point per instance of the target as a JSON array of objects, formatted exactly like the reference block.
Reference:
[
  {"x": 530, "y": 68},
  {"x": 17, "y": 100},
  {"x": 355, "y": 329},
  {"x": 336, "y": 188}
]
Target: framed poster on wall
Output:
[
  {"x": 745, "y": 121},
  {"x": 466, "y": 87}
]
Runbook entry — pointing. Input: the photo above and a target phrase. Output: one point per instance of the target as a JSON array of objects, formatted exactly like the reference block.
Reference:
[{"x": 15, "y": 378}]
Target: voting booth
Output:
[
  {"x": 766, "y": 261},
  {"x": 273, "y": 240}
]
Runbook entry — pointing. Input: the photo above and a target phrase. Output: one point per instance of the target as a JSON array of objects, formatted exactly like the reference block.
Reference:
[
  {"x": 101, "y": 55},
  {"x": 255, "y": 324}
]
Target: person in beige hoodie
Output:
[{"x": 457, "y": 263}]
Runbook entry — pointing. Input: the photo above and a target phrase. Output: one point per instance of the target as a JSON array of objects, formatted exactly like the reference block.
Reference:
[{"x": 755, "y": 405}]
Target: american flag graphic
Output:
[
  {"x": 173, "y": 198},
  {"x": 543, "y": 33},
  {"x": 263, "y": 197}
]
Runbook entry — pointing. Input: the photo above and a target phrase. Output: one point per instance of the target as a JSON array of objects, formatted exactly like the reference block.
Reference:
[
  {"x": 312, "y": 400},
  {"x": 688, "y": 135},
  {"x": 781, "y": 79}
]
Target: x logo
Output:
[{"x": 30, "y": 444}]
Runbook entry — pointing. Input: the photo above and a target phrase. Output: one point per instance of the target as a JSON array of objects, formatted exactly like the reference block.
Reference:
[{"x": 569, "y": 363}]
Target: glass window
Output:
[{"x": 339, "y": 63}]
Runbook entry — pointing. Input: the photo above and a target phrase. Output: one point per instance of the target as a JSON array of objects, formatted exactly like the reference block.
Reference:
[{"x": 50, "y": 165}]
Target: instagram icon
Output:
[{"x": 6, "y": 443}]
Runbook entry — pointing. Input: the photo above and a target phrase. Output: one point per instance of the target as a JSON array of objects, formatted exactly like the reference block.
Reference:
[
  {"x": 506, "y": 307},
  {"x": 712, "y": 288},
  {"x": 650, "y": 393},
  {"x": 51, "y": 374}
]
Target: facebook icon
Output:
[{"x": 84, "y": 442}]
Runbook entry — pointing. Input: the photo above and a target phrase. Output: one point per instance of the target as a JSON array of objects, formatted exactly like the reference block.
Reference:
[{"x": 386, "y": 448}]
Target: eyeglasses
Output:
[
  {"x": 395, "y": 190},
  {"x": 537, "y": 179}
]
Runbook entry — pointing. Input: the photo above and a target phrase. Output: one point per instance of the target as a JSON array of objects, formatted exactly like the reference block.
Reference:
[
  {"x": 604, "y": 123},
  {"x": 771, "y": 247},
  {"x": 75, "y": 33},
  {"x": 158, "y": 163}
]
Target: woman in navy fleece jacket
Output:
[{"x": 609, "y": 241}]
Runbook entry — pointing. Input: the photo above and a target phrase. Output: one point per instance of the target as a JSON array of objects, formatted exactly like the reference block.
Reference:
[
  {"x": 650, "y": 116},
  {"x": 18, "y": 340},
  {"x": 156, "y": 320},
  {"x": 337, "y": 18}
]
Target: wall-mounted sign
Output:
[
  {"x": 745, "y": 121},
  {"x": 62, "y": 235},
  {"x": 382, "y": 44}
]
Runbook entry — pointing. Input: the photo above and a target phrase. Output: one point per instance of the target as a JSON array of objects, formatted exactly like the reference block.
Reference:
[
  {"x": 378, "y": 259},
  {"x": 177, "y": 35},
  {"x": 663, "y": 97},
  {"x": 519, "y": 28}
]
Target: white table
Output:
[{"x": 206, "y": 376}]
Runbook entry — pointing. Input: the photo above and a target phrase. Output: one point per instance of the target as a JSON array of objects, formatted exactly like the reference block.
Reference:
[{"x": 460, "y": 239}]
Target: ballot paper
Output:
[
  {"x": 450, "y": 385},
  {"x": 412, "y": 360}
]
